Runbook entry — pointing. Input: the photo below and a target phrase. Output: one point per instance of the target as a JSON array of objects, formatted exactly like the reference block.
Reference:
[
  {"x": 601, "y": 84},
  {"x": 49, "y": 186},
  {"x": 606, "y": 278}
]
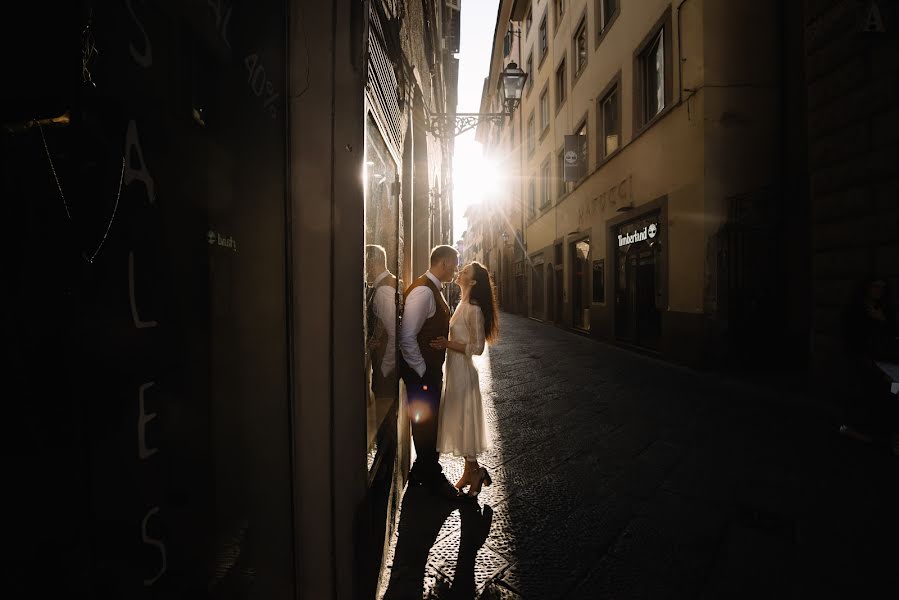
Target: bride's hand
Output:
[{"x": 439, "y": 343}]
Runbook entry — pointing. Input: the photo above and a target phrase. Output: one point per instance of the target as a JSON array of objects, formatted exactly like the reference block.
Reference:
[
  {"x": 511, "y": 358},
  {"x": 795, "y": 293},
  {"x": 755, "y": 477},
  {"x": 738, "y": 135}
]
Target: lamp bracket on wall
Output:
[{"x": 451, "y": 125}]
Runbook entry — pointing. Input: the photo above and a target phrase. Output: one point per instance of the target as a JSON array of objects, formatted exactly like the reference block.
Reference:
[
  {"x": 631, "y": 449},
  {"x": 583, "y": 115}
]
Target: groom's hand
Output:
[{"x": 439, "y": 343}]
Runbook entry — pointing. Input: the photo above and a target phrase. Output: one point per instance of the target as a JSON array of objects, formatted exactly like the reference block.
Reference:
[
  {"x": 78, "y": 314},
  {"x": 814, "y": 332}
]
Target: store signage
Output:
[
  {"x": 214, "y": 238},
  {"x": 621, "y": 194},
  {"x": 575, "y": 166},
  {"x": 640, "y": 235}
]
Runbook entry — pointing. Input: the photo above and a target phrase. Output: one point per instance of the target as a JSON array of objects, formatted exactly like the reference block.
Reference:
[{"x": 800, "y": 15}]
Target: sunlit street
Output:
[{"x": 451, "y": 299}]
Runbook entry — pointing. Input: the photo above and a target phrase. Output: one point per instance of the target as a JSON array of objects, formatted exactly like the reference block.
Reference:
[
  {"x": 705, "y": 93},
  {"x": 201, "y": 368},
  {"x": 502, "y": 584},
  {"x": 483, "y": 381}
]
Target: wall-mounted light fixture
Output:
[{"x": 512, "y": 84}]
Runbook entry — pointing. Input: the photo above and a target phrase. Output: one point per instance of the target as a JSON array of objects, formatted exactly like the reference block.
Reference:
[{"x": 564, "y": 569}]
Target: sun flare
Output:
[{"x": 477, "y": 177}]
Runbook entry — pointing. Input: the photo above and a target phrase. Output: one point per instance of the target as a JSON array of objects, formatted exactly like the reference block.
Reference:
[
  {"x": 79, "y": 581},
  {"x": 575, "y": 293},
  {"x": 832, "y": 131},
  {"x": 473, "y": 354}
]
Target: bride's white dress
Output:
[{"x": 462, "y": 428}]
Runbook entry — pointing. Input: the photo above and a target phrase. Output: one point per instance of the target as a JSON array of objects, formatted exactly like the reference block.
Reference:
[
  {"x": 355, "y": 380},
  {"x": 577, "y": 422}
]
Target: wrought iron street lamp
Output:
[{"x": 512, "y": 80}]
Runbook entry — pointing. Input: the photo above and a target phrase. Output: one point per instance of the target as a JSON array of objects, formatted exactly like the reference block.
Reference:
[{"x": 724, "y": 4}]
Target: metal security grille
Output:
[{"x": 382, "y": 81}]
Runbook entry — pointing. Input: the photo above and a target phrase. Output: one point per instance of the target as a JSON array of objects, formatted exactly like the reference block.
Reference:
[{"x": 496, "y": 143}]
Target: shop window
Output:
[{"x": 581, "y": 293}]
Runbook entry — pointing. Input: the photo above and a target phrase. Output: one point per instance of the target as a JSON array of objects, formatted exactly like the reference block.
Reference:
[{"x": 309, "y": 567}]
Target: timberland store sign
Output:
[{"x": 640, "y": 235}]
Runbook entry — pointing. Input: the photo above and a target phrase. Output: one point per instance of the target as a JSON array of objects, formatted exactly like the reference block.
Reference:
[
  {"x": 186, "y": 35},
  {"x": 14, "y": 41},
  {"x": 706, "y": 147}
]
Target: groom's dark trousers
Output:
[
  {"x": 423, "y": 397},
  {"x": 423, "y": 392}
]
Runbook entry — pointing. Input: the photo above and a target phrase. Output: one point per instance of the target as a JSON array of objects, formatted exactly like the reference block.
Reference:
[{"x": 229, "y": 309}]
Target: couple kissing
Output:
[{"x": 433, "y": 343}]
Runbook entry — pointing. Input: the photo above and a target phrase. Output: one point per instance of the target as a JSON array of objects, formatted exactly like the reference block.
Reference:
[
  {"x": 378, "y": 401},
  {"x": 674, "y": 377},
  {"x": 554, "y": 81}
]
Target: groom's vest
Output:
[{"x": 435, "y": 326}]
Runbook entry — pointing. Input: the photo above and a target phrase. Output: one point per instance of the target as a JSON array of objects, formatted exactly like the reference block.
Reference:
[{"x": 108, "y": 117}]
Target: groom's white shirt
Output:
[
  {"x": 419, "y": 307},
  {"x": 385, "y": 311}
]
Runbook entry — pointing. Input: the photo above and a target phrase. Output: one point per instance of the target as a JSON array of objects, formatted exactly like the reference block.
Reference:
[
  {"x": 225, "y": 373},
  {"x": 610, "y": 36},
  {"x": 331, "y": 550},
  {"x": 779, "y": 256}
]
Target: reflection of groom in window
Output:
[{"x": 380, "y": 302}]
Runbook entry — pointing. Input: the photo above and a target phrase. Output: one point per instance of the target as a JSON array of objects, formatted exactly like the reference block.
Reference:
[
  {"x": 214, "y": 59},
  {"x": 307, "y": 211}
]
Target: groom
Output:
[{"x": 426, "y": 316}]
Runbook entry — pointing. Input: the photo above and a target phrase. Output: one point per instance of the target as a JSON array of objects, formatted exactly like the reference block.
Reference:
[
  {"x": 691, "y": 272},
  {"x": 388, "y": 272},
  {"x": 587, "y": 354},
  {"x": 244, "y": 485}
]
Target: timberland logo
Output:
[
  {"x": 213, "y": 238},
  {"x": 648, "y": 232}
]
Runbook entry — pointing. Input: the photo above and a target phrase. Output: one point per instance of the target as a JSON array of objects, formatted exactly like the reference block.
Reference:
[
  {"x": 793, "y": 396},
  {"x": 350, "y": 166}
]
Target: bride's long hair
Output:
[{"x": 484, "y": 295}]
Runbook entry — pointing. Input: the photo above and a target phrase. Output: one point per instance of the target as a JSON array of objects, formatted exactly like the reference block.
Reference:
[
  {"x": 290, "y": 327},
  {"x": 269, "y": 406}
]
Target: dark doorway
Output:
[
  {"x": 637, "y": 277},
  {"x": 558, "y": 291},
  {"x": 551, "y": 306},
  {"x": 537, "y": 289}
]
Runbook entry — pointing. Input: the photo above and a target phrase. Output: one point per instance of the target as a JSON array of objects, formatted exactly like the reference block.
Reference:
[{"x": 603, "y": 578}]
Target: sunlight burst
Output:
[{"x": 476, "y": 179}]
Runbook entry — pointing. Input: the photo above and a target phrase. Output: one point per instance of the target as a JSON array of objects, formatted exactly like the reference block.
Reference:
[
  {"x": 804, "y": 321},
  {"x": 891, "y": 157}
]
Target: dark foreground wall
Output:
[
  {"x": 852, "y": 64},
  {"x": 147, "y": 328}
]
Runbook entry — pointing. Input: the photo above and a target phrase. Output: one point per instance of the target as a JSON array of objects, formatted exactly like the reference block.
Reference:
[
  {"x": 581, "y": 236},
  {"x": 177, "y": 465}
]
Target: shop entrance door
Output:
[
  {"x": 637, "y": 317},
  {"x": 559, "y": 282}
]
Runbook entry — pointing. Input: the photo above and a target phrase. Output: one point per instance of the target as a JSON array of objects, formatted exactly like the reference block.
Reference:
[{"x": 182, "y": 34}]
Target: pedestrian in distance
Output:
[
  {"x": 870, "y": 336},
  {"x": 462, "y": 427}
]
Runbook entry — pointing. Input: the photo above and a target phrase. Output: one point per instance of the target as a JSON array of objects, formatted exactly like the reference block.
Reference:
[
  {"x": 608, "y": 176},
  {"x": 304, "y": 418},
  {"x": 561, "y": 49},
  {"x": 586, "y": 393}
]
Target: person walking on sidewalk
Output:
[
  {"x": 462, "y": 429},
  {"x": 426, "y": 316},
  {"x": 870, "y": 335}
]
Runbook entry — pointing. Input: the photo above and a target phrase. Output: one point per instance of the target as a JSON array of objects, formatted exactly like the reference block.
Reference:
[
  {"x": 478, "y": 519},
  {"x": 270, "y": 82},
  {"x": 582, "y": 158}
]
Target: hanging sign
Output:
[{"x": 574, "y": 167}]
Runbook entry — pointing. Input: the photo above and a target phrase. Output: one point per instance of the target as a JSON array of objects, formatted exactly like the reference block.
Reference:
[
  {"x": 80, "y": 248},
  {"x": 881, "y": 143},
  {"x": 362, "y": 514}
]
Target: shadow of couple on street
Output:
[{"x": 421, "y": 518}]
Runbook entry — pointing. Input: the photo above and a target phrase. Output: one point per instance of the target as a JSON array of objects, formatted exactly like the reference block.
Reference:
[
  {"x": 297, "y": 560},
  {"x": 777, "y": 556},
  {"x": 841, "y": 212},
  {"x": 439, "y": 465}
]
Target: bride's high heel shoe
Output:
[
  {"x": 483, "y": 478},
  {"x": 463, "y": 481}
]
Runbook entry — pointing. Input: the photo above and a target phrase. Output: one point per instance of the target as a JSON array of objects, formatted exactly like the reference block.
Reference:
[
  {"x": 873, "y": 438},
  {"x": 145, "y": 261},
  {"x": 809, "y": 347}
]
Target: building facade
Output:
[
  {"x": 501, "y": 220},
  {"x": 669, "y": 116}
]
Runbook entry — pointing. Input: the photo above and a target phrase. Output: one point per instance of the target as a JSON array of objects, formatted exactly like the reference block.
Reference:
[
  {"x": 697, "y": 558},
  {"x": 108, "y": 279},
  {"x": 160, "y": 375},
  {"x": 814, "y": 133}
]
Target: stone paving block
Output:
[
  {"x": 648, "y": 470},
  {"x": 654, "y": 547},
  {"x": 614, "y": 579},
  {"x": 751, "y": 563},
  {"x": 516, "y": 525},
  {"x": 566, "y": 487},
  {"x": 496, "y": 591},
  {"x": 488, "y": 564},
  {"x": 449, "y": 526},
  {"x": 632, "y": 438},
  {"x": 722, "y": 488},
  {"x": 597, "y": 524},
  {"x": 503, "y": 487},
  {"x": 569, "y": 547},
  {"x": 704, "y": 475}
]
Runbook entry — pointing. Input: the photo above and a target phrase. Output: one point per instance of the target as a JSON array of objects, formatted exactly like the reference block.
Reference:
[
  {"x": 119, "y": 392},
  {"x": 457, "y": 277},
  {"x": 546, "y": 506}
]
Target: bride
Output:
[{"x": 462, "y": 428}]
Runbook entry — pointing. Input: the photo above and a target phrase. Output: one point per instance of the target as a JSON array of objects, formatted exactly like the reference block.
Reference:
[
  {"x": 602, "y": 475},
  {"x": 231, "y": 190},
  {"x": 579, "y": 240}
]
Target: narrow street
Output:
[{"x": 619, "y": 476}]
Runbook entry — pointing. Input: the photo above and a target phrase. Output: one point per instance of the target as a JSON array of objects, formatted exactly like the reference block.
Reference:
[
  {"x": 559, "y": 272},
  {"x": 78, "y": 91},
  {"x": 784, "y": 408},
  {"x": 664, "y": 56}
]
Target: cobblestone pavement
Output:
[{"x": 620, "y": 476}]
